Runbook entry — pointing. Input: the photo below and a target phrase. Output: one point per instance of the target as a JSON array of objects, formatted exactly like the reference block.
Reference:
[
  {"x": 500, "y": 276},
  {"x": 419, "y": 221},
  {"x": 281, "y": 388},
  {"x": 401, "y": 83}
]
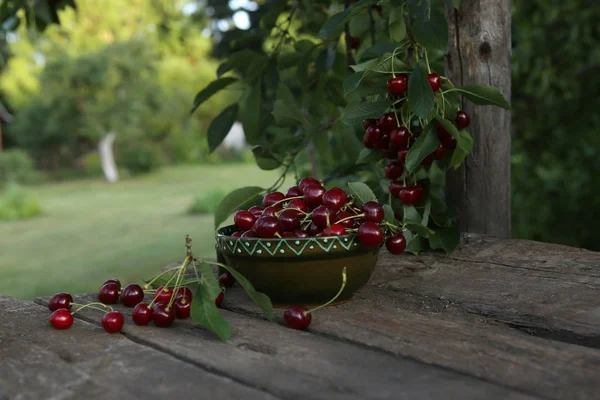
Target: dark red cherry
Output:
[
  {"x": 434, "y": 81},
  {"x": 250, "y": 234},
  {"x": 60, "y": 300},
  {"x": 411, "y": 194},
  {"x": 402, "y": 156},
  {"x": 163, "y": 295},
  {"x": 61, "y": 319},
  {"x": 313, "y": 230},
  {"x": 348, "y": 223},
  {"x": 266, "y": 227},
  {"x": 394, "y": 170},
  {"x": 397, "y": 85},
  {"x": 438, "y": 153},
  {"x": 182, "y": 307},
  {"x": 334, "y": 230},
  {"x": 118, "y": 282},
  {"x": 271, "y": 198},
  {"x": 297, "y": 204},
  {"x": 369, "y": 122},
  {"x": 294, "y": 191},
  {"x": 288, "y": 220},
  {"x": 387, "y": 121},
  {"x": 132, "y": 295},
  {"x": 322, "y": 216},
  {"x": 396, "y": 244},
  {"x": 395, "y": 187},
  {"x": 384, "y": 141},
  {"x": 372, "y": 211},
  {"x": 184, "y": 292},
  {"x": 307, "y": 181},
  {"x": 142, "y": 314},
  {"x": 270, "y": 212},
  {"x": 354, "y": 42},
  {"x": 300, "y": 233},
  {"x": 372, "y": 137},
  {"x": 462, "y": 119},
  {"x": 288, "y": 235},
  {"x": 296, "y": 317},
  {"x": 390, "y": 153},
  {"x": 237, "y": 234},
  {"x": 256, "y": 211},
  {"x": 219, "y": 299},
  {"x": 113, "y": 321},
  {"x": 313, "y": 195},
  {"x": 244, "y": 220},
  {"x": 370, "y": 234},
  {"x": 226, "y": 279},
  {"x": 109, "y": 293},
  {"x": 334, "y": 198},
  {"x": 399, "y": 138},
  {"x": 162, "y": 315}
]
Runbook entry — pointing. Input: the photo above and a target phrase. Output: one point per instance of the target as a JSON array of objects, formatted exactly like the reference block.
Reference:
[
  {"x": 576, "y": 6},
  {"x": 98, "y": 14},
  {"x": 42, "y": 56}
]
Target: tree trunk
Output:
[{"x": 479, "y": 53}]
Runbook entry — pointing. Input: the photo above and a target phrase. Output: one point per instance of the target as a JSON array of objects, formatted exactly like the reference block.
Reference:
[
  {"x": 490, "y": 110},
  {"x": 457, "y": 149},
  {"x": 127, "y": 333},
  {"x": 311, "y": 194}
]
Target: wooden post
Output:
[{"x": 479, "y": 52}]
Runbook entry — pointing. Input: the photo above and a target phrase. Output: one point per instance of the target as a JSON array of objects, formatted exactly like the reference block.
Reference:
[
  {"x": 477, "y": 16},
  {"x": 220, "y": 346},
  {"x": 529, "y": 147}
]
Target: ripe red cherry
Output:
[
  {"x": 349, "y": 223},
  {"x": 163, "y": 295},
  {"x": 313, "y": 195},
  {"x": 113, "y": 321},
  {"x": 373, "y": 212},
  {"x": 162, "y": 315},
  {"x": 182, "y": 307},
  {"x": 399, "y": 137},
  {"x": 266, "y": 227},
  {"x": 109, "y": 293},
  {"x": 313, "y": 230},
  {"x": 354, "y": 42},
  {"x": 244, "y": 220},
  {"x": 396, "y": 244},
  {"x": 219, "y": 299},
  {"x": 370, "y": 234},
  {"x": 372, "y": 137},
  {"x": 462, "y": 119},
  {"x": 132, "y": 295},
  {"x": 334, "y": 230},
  {"x": 287, "y": 235},
  {"x": 369, "y": 122},
  {"x": 293, "y": 191},
  {"x": 236, "y": 234},
  {"x": 142, "y": 314},
  {"x": 438, "y": 153},
  {"x": 61, "y": 319},
  {"x": 334, "y": 198},
  {"x": 445, "y": 138},
  {"x": 296, "y": 317},
  {"x": 226, "y": 279},
  {"x": 270, "y": 212},
  {"x": 434, "y": 81},
  {"x": 271, "y": 198},
  {"x": 184, "y": 292},
  {"x": 322, "y": 217},
  {"x": 387, "y": 121},
  {"x": 297, "y": 204},
  {"x": 384, "y": 141},
  {"x": 256, "y": 211},
  {"x": 307, "y": 181},
  {"x": 402, "y": 156},
  {"x": 289, "y": 220},
  {"x": 249, "y": 235},
  {"x": 300, "y": 233},
  {"x": 390, "y": 153},
  {"x": 118, "y": 282},
  {"x": 60, "y": 300},
  {"x": 395, "y": 187},
  {"x": 411, "y": 194},
  {"x": 394, "y": 170},
  {"x": 397, "y": 85}
]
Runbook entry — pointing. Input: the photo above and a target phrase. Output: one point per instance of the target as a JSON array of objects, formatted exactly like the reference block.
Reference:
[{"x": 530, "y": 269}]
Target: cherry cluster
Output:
[
  {"x": 395, "y": 139},
  {"x": 309, "y": 209}
]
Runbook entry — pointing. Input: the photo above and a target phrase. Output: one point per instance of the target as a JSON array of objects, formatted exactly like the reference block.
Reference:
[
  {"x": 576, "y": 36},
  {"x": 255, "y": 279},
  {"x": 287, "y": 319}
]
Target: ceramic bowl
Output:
[{"x": 300, "y": 271}]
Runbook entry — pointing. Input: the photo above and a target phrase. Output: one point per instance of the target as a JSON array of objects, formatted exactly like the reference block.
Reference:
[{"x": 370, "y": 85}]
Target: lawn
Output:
[{"x": 92, "y": 230}]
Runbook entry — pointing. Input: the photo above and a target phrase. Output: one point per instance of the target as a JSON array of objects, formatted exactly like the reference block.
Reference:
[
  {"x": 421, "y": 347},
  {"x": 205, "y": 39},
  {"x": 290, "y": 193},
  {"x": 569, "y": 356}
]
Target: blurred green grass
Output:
[{"x": 92, "y": 230}]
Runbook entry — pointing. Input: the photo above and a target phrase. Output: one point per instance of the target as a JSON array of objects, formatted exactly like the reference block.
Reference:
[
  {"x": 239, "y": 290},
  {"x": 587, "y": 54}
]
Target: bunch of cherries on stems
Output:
[
  {"x": 394, "y": 139},
  {"x": 309, "y": 209},
  {"x": 169, "y": 302}
]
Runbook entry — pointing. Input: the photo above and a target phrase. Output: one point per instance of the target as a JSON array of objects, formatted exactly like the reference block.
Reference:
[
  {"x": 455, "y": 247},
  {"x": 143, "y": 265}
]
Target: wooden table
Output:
[{"x": 499, "y": 319}]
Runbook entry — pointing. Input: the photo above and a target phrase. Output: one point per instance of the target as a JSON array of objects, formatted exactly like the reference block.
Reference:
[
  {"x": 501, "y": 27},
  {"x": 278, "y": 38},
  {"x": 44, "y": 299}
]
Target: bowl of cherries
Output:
[{"x": 294, "y": 246}]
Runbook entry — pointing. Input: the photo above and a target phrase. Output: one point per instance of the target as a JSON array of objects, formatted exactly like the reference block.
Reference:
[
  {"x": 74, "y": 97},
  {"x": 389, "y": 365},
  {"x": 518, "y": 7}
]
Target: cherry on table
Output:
[
  {"x": 296, "y": 317},
  {"x": 313, "y": 195},
  {"x": 288, "y": 220},
  {"x": 394, "y": 170},
  {"x": 182, "y": 306},
  {"x": 271, "y": 198},
  {"x": 219, "y": 299},
  {"x": 463, "y": 120},
  {"x": 372, "y": 137},
  {"x": 163, "y": 294},
  {"x": 322, "y": 216},
  {"x": 109, "y": 293},
  {"x": 399, "y": 137},
  {"x": 266, "y": 227},
  {"x": 162, "y": 315},
  {"x": 113, "y": 321},
  {"x": 132, "y": 295},
  {"x": 372, "y": 211},
  {"x": 141, "y": 314},
  {"x": 434, "y": 81},
  {"x": 244, "y": 220},
  {"x": 334, "y": 230},
  {"x": 397, "y": 85},
  {"x": 334, "y": 198},
  {"x": 411, "y": 194},
  {"x": 114, "y": 280},
  {"x": 370, "y": 234},
  {"x": 60, "y": 300},
  {"x": 307, "y": 181},
  {"x": 387, "y": 121},
  {"x": 184, "y": 292},
  {"x": 226, "y": 279},
  {"x": 396, "y": 244},
  {"x": 61, "y": 319}
]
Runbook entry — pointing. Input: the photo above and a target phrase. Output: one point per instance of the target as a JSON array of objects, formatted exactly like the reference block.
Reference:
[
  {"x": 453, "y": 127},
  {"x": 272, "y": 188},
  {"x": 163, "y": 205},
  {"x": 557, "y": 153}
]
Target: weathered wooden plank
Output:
[
  {"x": 479, "y": 53},
  {"x": 438, "y": 332},
  {"x": 552, "y": 290},
  {"x": 39, "y": 362},
  {"x": 294, "y": 364}
]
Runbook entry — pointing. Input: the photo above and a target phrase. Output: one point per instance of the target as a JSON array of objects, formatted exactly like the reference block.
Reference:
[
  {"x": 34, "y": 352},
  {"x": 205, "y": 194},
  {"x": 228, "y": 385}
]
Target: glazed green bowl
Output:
[{"x": 299, "y": 271}]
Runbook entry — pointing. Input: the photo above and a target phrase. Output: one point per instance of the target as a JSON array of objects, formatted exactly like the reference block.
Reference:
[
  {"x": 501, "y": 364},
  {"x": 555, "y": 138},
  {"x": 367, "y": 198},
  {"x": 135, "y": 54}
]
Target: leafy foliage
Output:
[
  {"x": 16, "y": 166},
  {"x": 16, "y": 203}
]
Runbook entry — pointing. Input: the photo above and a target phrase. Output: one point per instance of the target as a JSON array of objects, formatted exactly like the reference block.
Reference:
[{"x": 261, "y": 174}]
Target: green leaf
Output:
[
  {"x": 426, "y": 212},
  {"x": 260, "y": 299},
  {"x": 361, "y": 192},
  {"x": 436, "y": 175},
  {"x": 424, "y": 146},
  {"x": 286, "y": 108},
  {"x": 388, "y": 213},
  {"x": 369, "y": 156},
  {"x": 356, "y": 112},
  {"x": 220, "y": 127},
  {"x": 205, "y": 312},
  {"x": 209, "y": 280},
  {"x": 250, "y": 106},
  {"x": 397, "y": 25},
  {"x": 419, "y": 229},
  {"x": 365, "y": 66},
  {"x": 446, "y": 239},
  {"x": 411, "y": 214},
  {"x": 483, "y": 95},
  {"x": 240, "y": 198},
  {"x": 432, "y": 34},
  {"x": 384, "y": 66},
  {"x": 212, "y": 88},
  {"x": 420, "y": 94},
  {"x": 463, "y": 148},
  {"x": 265, "y": 159},
  {"x": 238, "y": 60},
  {"x": 334, "y": 26},
  {"x": 352, "y": 82},
  {"x": 414, "y": 243},
  {"x": 378, "y": 50}
]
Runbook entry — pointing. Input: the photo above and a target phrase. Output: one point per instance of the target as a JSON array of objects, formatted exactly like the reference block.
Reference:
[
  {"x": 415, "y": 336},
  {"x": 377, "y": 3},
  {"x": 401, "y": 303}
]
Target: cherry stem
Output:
[
  {"x": 350, "y": 217},
  {"x": 93, "y": 306},
  {"x": 335, "y": 297},
  {"x": 166, "y": 285},
  {"x": 178, "y": 280},
  {"x": 278, "y": 235},
  {"x": 295, "y": 209},
  {"x": 286, "y": 199},
  {"x": 147, "y": 285}
]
